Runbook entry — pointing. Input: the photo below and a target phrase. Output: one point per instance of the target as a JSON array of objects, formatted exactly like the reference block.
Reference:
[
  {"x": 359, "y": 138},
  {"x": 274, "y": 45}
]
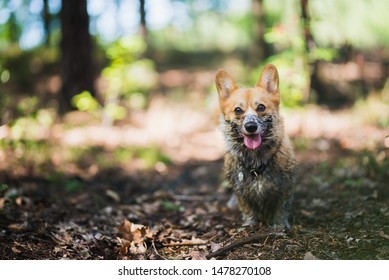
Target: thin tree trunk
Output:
[
  {"x": 259, "y": 47},
  {"x": 46, "y": 21},
  {"x": 306, "y": 22},
  {"x": 77, "y": 69},
  {"x": 143, "y": 25},
  {"x": 314, "y": 82}
]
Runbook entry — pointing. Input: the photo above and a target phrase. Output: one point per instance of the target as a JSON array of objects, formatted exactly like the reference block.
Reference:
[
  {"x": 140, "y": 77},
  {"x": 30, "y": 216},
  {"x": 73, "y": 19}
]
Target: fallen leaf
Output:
[
  {"x": 15, "y": 250},
  {"x": 215, "y": 246},
  {"x": 18, "y": 226},
  {"x": 310, "y": 256},
  {"x": 99, "y": 236},
  {"x": 185, "y": 242},
  {"x": 134, "y": 238},
  {"x": 307, "y": 213},
  {"x": 384, "y": 235},
  {"x": 19, "y": 201},
  {"x": 198, "y": 255},
  {"x": 112, "y": 194}
]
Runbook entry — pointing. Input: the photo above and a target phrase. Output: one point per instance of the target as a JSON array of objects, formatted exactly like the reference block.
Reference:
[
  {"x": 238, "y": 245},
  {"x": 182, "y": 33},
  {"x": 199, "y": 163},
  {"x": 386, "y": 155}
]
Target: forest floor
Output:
[{"x": 152, "y": 188}]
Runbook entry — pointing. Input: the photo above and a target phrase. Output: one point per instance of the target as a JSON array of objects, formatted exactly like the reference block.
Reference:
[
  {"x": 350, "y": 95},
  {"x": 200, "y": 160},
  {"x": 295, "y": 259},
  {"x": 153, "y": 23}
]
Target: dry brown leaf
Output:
[
  {"x": 198, "y": 255},
  {"x": 310, "y": 256},
  {"x": 134, "y": 238},
  {"x": 19, "y": 201},
  {"x": 185, "y": 242},
  {"x": 113, "y": 195},
  {"x": 16, "y": 250},
  {"x": 18, "y": 226},
  {"x": 383, "y": 234},
  {"x": 215, "y": 246}
]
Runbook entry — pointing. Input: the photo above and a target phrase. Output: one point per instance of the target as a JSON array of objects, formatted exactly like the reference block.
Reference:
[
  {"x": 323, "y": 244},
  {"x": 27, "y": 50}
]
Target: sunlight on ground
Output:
[{"x": 185, "y": 133}]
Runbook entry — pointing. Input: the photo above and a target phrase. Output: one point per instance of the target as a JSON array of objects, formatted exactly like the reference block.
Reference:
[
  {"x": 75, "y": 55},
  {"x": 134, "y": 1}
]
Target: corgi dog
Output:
[{"x": 259, "y": 163}]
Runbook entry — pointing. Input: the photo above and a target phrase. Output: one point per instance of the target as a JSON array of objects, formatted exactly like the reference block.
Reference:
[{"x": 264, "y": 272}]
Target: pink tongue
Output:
[{"x": 252, "y": 141}]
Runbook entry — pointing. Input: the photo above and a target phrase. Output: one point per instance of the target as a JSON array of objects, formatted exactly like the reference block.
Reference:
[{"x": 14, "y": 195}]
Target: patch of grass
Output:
[
  {"x": 3, "y": 189},
  {"x": 171, "y": 206},
  {"x": 86, "y": 156},
  {"x": 301, "y": 143},
  {"x": 123, "y": 155},
  {"x": 152, "y": 155},
  {"x": 375, "y": 164},
  {"x": 25, "y": 152},
  {"x": 373, "y": 110},
  {"x": 73, "y": 185}
]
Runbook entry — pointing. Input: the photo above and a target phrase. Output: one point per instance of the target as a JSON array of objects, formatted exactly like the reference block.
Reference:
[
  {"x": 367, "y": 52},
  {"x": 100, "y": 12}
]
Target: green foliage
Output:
[
  {"x": 360, "y": 23},
  {"x": 85, "y": 102},
  {"x": 5, "y": 75},
  {"x": 152, "y": 155},
  {"x": 73, "y": 185},
  {"x": 373, "y": 110},
  {"x": 301, "y": 143},
  {"x": 129, "y": 76},
  {"x": 121, "y": 156},
  {"x": 26, "y": 153},
  {"x": 3, "y": 189},
  {"x": 32, "y": 125},
  {"x": 376, "y": 164},
  {"x": 291, "y": 59},
  {"x": 171, "y": 206}
]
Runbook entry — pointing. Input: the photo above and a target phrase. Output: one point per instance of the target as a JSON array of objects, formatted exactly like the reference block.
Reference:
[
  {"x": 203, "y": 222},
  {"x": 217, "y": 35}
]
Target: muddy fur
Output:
[{"x": 262, "y": 178}]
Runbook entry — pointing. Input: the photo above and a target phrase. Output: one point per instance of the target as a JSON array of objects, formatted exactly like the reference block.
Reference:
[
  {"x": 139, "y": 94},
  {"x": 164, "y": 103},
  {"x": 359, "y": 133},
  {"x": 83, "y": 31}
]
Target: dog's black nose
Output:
[{"x": 251, "y": 127}]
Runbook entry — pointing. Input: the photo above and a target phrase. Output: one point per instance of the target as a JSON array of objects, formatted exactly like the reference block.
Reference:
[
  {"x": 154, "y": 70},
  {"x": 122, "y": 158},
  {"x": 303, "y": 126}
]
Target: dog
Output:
[{"x": 259, "y": 164}]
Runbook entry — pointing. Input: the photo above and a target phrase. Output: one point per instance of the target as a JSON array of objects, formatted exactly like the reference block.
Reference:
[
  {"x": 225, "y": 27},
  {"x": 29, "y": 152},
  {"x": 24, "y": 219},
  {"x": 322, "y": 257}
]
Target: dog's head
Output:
[{"x": 250, "y": 112}]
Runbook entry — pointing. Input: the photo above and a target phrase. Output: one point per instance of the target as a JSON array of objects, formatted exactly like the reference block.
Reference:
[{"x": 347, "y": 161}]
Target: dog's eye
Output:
[
  {"x": 238, "y": 111},
  {"x": 261, "y": 108}
]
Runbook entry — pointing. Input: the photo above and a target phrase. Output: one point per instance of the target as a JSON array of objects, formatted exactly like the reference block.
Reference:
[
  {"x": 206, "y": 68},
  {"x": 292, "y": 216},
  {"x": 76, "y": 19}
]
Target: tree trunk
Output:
[
  {"x": 314, "y": 82},
  {"x": 46, "y": 21},
  {"x": 143, "y": 25},
  {"x": 77, "y": 70},
  {"x": 259, "y": 48},
  {"x": 306, "y": 22}
]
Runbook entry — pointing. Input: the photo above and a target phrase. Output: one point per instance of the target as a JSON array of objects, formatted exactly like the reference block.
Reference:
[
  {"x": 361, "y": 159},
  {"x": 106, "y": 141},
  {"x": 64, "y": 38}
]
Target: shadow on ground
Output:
[{"x": 340, "y": 212}]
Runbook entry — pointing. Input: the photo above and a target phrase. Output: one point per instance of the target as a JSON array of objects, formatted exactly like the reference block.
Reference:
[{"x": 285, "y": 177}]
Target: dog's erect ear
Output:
[
  {"x": 225, "y": 84},
  {"x": 269, "y": 79}
]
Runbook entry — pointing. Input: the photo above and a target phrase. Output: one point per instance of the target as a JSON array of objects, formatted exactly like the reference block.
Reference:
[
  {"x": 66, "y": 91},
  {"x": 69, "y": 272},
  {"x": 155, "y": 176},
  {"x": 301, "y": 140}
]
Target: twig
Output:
[
  {"x": 185, "y": 243},
  {"x": 156, "y": 251},
  {"x": 241, "y": 242}
]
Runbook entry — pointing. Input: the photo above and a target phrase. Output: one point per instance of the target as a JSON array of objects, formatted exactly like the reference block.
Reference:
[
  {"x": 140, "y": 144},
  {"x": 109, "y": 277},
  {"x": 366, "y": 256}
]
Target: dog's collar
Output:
[{"x": 259, "y": 170}]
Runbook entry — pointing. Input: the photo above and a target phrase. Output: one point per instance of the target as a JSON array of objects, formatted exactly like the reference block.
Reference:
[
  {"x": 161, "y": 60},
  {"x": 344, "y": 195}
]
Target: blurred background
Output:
[
  {"x": 136, "y": 78},
  {"x": 109, "y": 111}
]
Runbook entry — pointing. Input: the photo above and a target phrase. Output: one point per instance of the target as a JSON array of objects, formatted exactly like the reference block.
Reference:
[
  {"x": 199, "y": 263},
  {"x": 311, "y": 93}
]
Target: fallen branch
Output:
[{"x": 241, "y": 242}]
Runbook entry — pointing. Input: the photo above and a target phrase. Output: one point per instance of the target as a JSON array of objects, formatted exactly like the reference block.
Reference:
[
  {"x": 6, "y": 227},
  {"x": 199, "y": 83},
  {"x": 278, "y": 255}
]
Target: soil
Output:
[{"x": 178, "y": 210}]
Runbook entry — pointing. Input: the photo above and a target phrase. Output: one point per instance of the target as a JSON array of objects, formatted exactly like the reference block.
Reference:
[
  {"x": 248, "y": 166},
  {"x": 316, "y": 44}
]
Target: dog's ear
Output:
[
  {"x": 269, "y": 79},
  {"x": 225, "y": 84}
]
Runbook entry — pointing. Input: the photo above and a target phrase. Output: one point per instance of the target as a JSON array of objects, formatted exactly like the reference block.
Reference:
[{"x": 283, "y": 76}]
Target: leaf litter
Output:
[{"x": 180, "y": 211}]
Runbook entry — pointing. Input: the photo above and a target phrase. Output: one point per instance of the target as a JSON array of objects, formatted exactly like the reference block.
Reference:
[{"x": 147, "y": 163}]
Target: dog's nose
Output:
[{"x": 251, "y": 127}]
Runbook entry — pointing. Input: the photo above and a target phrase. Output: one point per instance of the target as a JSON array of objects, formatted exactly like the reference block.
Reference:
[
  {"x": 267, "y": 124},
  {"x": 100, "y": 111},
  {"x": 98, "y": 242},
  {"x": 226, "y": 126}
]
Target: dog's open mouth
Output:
[{"x": 252, "y": 141}]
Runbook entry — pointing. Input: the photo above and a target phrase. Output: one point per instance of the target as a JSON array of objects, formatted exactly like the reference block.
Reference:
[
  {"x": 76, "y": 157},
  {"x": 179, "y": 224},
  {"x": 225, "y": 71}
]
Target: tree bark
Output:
[
  {"x": 143, "y": 25},
  {"x": 77, "y": 71},
  {"x": 259, "y": 25},
  {"x": 314, "y": 82},
  {"x": 306, "y": 22},
  {"x": 46, "y": 21}
]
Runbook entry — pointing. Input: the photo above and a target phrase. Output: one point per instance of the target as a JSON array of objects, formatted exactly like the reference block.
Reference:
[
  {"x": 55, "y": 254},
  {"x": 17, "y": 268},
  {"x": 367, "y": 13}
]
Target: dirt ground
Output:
[{"x": 176, "y": 209}]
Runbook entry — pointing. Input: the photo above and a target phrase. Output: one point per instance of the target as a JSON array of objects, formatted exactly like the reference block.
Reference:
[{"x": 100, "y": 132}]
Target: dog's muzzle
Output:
[{"x": 253, "y": 125}]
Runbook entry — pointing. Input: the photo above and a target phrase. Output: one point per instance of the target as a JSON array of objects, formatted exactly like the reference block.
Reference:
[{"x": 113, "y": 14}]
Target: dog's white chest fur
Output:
[{"x": 257, "y": 184}]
